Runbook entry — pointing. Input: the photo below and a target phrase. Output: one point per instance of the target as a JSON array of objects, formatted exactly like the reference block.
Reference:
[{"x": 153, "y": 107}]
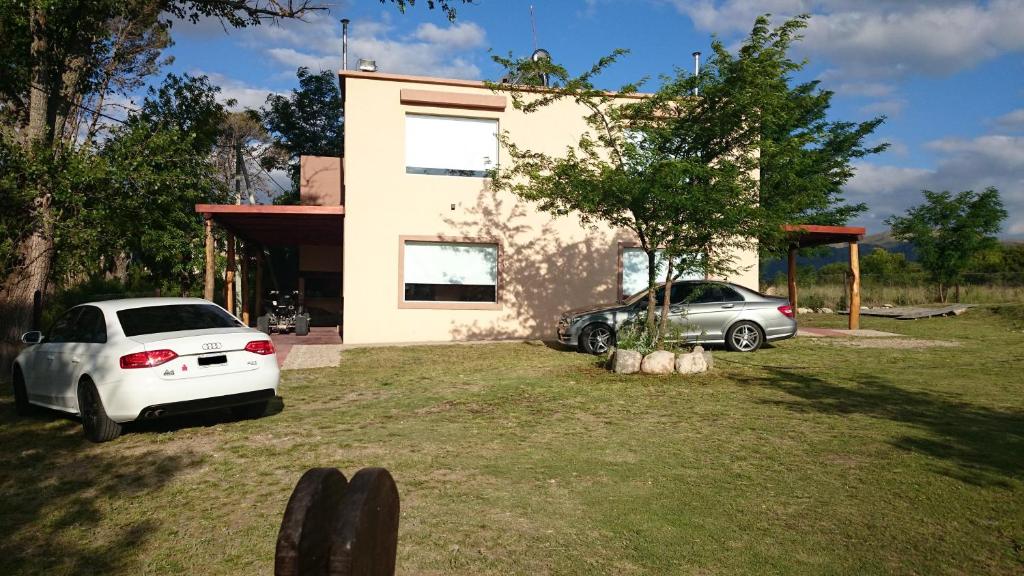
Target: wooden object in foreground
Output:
[{"x": 333, "y": 527}]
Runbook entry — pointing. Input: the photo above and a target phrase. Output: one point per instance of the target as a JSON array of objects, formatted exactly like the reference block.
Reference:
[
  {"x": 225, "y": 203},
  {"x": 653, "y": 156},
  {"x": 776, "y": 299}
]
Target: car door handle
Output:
[
  {"x": 727, "y": 305},
  {"x": 75, "y": 359}
]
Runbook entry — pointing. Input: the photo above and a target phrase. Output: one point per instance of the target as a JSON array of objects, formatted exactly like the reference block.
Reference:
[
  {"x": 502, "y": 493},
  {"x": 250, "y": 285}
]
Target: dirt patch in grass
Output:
[{"x": 890, "y": 343}]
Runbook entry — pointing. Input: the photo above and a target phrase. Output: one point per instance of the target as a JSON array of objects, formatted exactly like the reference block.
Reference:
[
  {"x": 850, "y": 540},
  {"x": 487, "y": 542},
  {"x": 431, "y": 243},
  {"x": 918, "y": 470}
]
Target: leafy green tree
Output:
[
  {"x": 306, "y": 122},
  {"x": 678, "y": 171},
  {"x": 948, "y": 230}
]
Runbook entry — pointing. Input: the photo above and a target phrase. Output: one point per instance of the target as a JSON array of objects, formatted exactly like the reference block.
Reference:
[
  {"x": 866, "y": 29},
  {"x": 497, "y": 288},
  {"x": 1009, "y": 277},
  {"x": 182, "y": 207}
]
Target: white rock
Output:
[
  {"x": 626, "y": 361},
  {"x": 804, "y": 310},
  {"x": 660, "y": 362},
  {"x": 709, "y": 360},
  {"x": 691, "y": 363},
  {"x": 825, "y": 311}
]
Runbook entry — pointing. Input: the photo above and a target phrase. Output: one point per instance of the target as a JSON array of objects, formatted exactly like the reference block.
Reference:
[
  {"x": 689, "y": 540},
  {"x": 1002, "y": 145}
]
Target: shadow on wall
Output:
[
  {"x": 540, "y": 275},
  {"x": 974, "y": 444},
  {"x": 57, "y": 490},
  {"x": 320, "y": 181}
]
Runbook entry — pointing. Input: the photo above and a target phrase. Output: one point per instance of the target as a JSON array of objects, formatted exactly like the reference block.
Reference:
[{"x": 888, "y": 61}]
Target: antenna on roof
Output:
[{"x": 533, "y": 27}]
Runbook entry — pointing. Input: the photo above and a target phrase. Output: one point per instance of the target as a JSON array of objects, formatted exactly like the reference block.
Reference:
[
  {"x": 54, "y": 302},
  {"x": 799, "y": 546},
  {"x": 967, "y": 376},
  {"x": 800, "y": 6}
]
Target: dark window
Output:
[
  {"x": 174, "y": 317},
  {"x": 63, "y": 329},
  {"x": 450, "y": 293},
  {"x": 90, "y": 326},
  {"x": 707, "y": 293}
]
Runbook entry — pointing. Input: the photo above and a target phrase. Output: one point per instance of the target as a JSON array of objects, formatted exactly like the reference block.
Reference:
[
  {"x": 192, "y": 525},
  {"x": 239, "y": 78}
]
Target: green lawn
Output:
[{"x": 809, "y": 457}]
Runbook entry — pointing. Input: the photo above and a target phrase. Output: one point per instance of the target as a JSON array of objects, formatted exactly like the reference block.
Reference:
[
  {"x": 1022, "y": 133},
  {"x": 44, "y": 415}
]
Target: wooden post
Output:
[
  {"x": 209, "y": 279},
  {"x": 259, "y": 281},
  {"x": 244, "y": 296},
  {"x": 792, "y": 277},
  {"x": 854, "y": 286},
  {"x": 229, "y": 276}
]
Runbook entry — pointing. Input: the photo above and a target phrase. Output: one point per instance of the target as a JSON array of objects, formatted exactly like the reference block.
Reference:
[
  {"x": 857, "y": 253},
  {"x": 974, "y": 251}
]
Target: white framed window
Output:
[
  {"x": 450, "y": 145},
  {"x": 456, "y": 272},
  {"x": 634, "y": 271}
]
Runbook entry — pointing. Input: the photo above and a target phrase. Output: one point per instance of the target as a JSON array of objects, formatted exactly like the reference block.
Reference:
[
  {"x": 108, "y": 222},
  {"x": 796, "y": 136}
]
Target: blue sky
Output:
[{"x": 949, "y": 74}]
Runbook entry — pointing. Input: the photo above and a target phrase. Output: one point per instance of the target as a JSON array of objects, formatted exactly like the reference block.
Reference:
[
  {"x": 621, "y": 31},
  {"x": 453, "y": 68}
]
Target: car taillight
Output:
[
  {"x": 263, "y": 347},
  {"x": 147, "y": 359},
  {"x": 786, "y": 310}
]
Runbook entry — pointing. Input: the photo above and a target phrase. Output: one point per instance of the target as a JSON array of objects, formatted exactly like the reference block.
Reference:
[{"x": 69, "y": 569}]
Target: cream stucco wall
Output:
[{"x": 547, "y": 265}]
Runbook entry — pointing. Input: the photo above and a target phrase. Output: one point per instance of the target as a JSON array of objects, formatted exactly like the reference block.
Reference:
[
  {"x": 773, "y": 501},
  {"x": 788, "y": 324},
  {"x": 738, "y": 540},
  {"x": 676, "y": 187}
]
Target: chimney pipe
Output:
[
  {"x": 344, "y": 43},
  {"x": 696, "y": 68}
]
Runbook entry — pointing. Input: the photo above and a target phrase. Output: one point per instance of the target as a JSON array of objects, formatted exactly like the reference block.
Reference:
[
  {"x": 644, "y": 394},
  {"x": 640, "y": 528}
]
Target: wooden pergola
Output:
[
  {"x": 807, "y": 235},
  {"x": 259, "y": 226}
]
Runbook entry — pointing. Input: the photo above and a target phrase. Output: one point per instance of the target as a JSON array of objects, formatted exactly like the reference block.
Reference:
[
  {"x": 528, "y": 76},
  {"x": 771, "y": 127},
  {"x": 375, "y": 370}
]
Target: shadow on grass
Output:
[
  {"x": 982, "y": 446},
  {"x": 57, "y": 492}
]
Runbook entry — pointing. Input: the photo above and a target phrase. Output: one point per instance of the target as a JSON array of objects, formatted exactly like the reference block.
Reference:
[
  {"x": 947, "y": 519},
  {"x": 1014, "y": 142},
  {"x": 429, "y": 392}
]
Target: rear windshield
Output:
[{"x": 174, "y": 317}]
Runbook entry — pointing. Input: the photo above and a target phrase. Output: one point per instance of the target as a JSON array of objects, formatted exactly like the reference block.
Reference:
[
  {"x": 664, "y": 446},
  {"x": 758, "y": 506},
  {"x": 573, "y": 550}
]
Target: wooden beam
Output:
[
  {"x": 259, "y": 281},
  {"x": 209, "y": 279},
  {"x": 792, "y": 277},
  {"x": 244, "y": 296},
  {"x": 854, "y": 286},
  {"x": 229, "y": 276}
]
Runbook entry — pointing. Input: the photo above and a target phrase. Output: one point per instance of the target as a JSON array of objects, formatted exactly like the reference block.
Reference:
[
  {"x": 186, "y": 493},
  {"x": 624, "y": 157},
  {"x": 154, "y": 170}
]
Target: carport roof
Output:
[
  {"x": 806, "y": 235},
  {"x": 279, "y": 225}
]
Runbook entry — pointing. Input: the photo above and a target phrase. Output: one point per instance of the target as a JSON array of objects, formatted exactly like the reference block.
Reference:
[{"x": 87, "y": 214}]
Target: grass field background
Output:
[{"x": 809, "y": 457}]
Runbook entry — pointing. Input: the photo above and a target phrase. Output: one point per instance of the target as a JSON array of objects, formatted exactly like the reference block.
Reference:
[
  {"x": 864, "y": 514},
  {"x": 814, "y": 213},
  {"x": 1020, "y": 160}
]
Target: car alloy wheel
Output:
[
  {"x": 746, "y": 338},
  {"x": 599, "y": 339}
]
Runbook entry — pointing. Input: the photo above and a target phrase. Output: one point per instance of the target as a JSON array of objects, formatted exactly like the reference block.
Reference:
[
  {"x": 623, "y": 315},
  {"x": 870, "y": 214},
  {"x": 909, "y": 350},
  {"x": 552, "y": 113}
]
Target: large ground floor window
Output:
[
  {"x": 457, "y": 274},
  {"x": 633, "y": 271}
]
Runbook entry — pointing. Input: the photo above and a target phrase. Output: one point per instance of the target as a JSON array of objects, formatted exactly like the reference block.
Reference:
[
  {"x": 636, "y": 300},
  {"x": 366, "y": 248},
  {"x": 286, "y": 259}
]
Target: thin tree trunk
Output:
[
  {"x": 665, "y": 304},
  {"x": 652, "y": 278}
]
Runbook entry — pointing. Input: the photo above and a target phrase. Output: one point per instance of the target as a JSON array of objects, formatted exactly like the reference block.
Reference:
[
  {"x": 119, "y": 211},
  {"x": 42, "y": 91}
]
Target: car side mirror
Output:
[{"x": 33, "y": 337}]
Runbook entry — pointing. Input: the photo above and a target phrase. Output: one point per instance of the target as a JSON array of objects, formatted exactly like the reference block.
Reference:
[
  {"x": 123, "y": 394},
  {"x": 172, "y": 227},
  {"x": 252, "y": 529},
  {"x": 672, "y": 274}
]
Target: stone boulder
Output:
[
  {"x": 691, "y": 363},
  {"x": 626, "y": 361},
  {"x": 708, "y": 358},
  {"x": 660, "y": 362},
  {"x": 803, "y": 310},
  {"x": 825, "y": 311}
]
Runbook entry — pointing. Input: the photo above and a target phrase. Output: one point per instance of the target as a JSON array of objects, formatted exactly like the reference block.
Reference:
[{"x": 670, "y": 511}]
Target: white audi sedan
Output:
[{"x": 122, "y": 360}]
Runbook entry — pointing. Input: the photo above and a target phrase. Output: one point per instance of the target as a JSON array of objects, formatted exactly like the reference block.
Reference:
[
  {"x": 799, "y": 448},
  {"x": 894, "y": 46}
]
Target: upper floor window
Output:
[{"x": 450, "y": 145}]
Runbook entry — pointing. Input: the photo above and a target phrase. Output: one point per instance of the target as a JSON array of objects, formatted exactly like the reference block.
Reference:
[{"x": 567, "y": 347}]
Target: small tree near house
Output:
[
  {"x": 949, "y": 230},
  {"x": 680, "y": 171}
]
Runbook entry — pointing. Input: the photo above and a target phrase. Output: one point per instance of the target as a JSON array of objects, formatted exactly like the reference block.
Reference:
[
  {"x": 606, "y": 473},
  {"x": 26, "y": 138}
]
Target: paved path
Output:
[
  {"x": 323, "y": 344},
  {"x": 826, "y": 332}
]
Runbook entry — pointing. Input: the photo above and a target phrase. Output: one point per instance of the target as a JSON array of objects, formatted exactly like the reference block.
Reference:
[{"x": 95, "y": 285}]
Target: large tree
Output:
[
  {"x": 949, "y": 230},
  {"x": 57, "y": 55},
  {"x": 678, "y": 170},
  {"x": 306, "y": 122}
]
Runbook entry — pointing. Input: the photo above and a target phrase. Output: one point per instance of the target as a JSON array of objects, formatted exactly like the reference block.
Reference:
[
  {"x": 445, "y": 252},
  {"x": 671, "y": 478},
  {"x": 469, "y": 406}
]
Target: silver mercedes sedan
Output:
[{"x": 706, "y": 312}]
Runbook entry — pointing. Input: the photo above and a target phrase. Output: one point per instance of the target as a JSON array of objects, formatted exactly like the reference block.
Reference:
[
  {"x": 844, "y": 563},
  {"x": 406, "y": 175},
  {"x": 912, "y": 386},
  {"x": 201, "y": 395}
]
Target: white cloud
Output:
[
  {"x": 1012, "y": 121},
  {"x": 429, "y": 50},
  {"x": 459, "y": 36},
  {"x": 879, "y": 38},
  {"x": 245, "y": 96},
  {"x": 890, "y": 107},
  {"x": 964, "y": 164}
]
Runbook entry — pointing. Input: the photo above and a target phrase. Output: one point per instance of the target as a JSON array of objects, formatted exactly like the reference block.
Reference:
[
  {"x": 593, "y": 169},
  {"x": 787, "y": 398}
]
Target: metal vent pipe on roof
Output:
[
  {"x": 696, "y": 69},
  {"x": 344, "y": 43}
]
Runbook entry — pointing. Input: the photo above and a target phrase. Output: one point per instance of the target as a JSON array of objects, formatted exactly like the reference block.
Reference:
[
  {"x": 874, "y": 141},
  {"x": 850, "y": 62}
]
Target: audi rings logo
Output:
[{"x": 212, "y": 346}]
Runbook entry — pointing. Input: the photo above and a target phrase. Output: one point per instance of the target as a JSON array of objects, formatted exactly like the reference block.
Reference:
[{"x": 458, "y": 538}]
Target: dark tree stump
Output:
[{"x": 336, "y": 528}]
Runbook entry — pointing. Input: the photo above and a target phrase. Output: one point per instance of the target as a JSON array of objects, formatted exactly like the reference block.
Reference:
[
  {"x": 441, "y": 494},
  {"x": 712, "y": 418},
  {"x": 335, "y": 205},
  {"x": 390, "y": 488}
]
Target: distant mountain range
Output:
[{"x": 840, "y": 253}]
